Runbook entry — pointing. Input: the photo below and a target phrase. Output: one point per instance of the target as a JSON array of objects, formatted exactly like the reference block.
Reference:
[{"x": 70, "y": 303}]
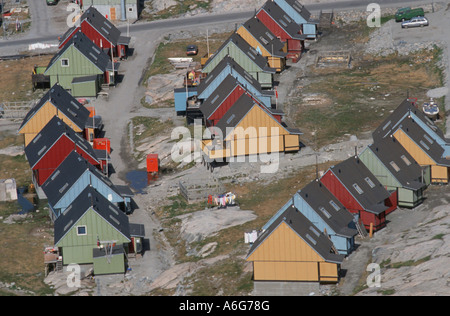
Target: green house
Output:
[
  {"x": 396, "y": 170},
  {"x": 90, "y": 225},
  {"x": 81, "y": 67},
  {"x": 246, "y": 56}
]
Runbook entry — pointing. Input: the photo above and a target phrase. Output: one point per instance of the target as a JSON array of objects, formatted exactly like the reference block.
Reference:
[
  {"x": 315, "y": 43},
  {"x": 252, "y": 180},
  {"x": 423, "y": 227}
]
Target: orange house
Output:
[{"x": 293, "y": 249}]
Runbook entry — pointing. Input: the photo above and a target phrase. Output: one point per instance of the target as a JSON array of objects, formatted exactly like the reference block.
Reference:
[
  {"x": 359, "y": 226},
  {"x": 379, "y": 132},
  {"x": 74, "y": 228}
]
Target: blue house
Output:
[
  {"x": 325, "y": 211},
  {"x": 185, "y": 100},
  {"x": 297, "y": 12},
  {"x": 72, "y": 176}
]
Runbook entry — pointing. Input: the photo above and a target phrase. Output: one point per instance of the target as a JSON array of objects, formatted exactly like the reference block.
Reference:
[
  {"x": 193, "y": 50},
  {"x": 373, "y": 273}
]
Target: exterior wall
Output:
[
  {"x": 284, "y": 256},
  {"x": 78, "y": 249},
  {"x": 79, "y": 66},
  {"x": 116, "y": 264},
  {"x": 273, "y": 26},
  {"x": 439, "y": 174},
  {"x": 379, "y": 170},
  {"x": 41, "y": 118},
  {"x": 85, "y": 89},
  {"x": 112, "y": 8}
]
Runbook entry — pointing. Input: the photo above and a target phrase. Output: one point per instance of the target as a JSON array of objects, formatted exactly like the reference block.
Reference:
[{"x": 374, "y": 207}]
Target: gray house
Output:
[{"x": 115, "y": 10}]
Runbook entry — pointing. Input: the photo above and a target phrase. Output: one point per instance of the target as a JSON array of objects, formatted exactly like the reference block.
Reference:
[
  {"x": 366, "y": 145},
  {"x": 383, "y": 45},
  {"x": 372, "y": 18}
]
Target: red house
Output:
[
  {"x": 280, "y": 24},
  {"x": 53, "y": 144},
  {"x": 360, "y": 192},
  {"x": 100, "y": 31},
  {"x": 225, "y": 96}
]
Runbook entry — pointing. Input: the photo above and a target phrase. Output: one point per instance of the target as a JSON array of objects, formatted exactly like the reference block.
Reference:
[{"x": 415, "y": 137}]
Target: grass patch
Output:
[{"x": 357, "y": 100}]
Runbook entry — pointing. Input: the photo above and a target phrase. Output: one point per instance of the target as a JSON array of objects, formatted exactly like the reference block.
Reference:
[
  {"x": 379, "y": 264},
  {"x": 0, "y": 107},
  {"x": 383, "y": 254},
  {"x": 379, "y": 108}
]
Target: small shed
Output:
[{"x": 109, "y": 260}]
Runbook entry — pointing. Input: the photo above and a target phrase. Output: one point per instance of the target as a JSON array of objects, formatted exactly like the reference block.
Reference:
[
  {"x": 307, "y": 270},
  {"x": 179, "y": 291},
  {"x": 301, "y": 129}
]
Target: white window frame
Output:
[
  {"x": 85, "y": 230},
  {"x": 65, "y": 59}
]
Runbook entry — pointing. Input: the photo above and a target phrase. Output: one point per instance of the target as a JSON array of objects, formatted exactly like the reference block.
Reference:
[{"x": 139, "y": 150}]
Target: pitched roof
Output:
[
  {"x": 361, "y": 184},
  {"x": 88, "y": 199},
  {"x": 250, "y": 52},
  {"x": 67, "y": 173},
  {"x": 399, "y": 162},
  {"x": 88, "y": 49},
  {"x": 49, "y": 135},
  {"x": 283, "y": 20},
  {"x": 65, "y": 103},
  {"x": 299, "y": 9},
  {"x": 329, "y": 209},
  {"x": 265, "y": 37},
  {"x": 305, "y": 230}
]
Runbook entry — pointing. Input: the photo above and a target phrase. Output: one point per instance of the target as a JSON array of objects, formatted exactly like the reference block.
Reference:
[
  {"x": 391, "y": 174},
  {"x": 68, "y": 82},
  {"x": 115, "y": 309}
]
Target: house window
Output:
[
  {"x": 324, "y": 211},
  {"x": 357, "y": 188},
  {"x": 334, "y": 205},
  {"x": 81, "y": 230},
  {"x": 64, "y": 62}
]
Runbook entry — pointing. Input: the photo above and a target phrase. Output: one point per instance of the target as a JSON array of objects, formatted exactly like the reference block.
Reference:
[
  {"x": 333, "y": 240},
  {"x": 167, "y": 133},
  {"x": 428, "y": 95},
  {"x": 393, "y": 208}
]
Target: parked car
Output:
[
  {"x": 192, "y": 50},
  {"x": 404, "y": 14},
  {"x": 415, "y": 22}
]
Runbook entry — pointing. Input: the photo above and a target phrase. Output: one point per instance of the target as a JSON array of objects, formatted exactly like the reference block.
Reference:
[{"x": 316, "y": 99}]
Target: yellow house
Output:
[
  {"x": 258, "y": 36},
  {"x": 293, "y": 249},
  {"x": 249, "y": 128},
  {"x": 59, "y": 102}
]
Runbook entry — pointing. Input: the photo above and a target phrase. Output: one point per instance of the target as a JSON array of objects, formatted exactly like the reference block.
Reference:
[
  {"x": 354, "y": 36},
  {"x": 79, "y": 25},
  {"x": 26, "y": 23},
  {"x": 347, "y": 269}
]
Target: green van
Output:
[{"x": 404, "y": 14}]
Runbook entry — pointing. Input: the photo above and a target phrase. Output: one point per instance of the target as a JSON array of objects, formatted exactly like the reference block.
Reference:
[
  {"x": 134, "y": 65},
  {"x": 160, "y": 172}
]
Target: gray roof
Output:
[
  {"x": 229, "y": 61},
  {"x": 88, "y": 49},
  {"x": 353, "y": 174},
  {"x": 259, "y": 60},
  {"x": 265, "y": 37},
  {"x": 306, "y": 230},
  {"x": 319, "y": 198},
  {"x": 299, "y": 8},
  {"x": 65, "y": 103},
  {"x": 283, "y": 20},
  {"x": 89, "y": 198},
  {"x": 49, "y": 135},
  {"x": 399, "y": 162}
]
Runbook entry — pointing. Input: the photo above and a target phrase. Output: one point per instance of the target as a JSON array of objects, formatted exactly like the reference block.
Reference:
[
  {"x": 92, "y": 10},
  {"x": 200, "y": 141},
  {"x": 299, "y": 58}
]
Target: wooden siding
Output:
[
  {"x": 225, "y": 106},
  {"x": 379, "y": 170},
  {"x": 78, "y": 249},
  {"x": 284, "y": 256},
  {"x": 41, "y": 118},
  {"x": 439, "y": 174}
]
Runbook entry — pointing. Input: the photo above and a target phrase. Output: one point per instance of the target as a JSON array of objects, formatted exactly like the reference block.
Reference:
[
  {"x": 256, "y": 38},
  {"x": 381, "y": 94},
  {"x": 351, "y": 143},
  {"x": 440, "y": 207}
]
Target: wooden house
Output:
[
  {"x": 53, "y": 144},
  {"x": 352, "y": 183},
  {"x": 187, "y": 101},
  {"x": 294, "y": 249},
  {"x": 397, "y": 170},
  {"x": 101, "y": 32},
  {"x": 91, "y": 222},
  {"x": 81, "y": 67},
  {"x": 327, "y": 214},
  {"x": 296, "y": 11},
  {"x": 246, "y": 56},
  {"x": 114, "y": 10},
  {"x": 284, "y": 28},
  {"x": 265, "y": 42},
  {"x": 420, "y": 137},
  {"x": 56, "y": 102},
  {"x": 223, "y": 98},
  {"x": 246, "y": 129},
  {"x": 71, "y": 177}
]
